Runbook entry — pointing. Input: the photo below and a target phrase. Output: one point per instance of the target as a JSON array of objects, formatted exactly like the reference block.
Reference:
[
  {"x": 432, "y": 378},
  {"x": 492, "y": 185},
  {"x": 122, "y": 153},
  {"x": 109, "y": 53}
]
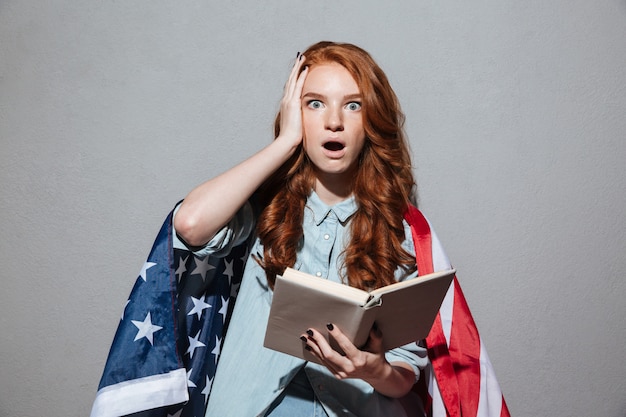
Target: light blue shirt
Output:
[{"x": 249, "y": 376}]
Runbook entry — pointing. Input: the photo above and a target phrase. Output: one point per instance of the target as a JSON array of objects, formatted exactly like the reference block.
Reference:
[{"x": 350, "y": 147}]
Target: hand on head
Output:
[{"x": 291, "y": 105}]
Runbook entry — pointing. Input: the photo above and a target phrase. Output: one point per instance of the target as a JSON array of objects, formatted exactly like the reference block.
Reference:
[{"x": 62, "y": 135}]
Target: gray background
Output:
[{"x": 110, "y": 111}]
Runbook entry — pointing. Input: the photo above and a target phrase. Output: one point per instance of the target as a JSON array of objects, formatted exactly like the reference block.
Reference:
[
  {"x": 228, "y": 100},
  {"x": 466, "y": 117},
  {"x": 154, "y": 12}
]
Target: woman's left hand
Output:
[
  {"x": 356, "y": 363},
  {"x": 392, "y": 379}
]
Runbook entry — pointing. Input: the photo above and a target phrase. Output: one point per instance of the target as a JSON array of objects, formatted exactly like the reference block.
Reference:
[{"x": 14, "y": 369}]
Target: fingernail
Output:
[
  {"x": 298, "y": 54},
  {"x": 300, "y": 57},
  {"x": 303, "y": 338},
  {"x": 309, "y": 332},
  {"x": 330, "y": 326},
  {"x": 309, "y": 348}
]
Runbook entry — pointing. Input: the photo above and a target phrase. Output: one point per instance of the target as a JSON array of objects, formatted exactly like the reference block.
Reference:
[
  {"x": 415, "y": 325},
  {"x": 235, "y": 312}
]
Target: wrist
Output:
[
  {"x": 393, "y": 380},
  {"x": 379, "y": 374},
  {"x": 289, "y": 142}
]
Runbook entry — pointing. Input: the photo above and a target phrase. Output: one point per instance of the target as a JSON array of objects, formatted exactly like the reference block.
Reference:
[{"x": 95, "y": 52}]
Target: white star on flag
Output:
[
  {"x": 190, "y": 383},
  {"x": 181, "y": 267},
  {"x": 244, "y": 258},
  {"x": 202, "y": 267},
  {"x": 145, "y": 268},
  {"x": 194, "y": 343},
  {"x": 217, "y": 348},
  {"x": 146, "y": 328},
  {"x": 207, "y": 389},
  {"x": 228, "y": 269},
  {"x": 198, "y": 306},
  {"x": 224, "y": 309}
]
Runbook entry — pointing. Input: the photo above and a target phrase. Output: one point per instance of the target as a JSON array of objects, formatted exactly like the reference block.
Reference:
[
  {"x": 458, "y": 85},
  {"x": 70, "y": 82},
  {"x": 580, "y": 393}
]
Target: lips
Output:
[
  {"x": 334, "y": 149},
  {"x": 334, "y": 146}
]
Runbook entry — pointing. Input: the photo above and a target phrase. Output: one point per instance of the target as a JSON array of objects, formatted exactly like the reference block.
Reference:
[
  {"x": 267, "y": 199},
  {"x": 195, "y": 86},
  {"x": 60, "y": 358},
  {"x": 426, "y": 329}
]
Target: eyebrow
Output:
[{"x": 319, "y": 96}]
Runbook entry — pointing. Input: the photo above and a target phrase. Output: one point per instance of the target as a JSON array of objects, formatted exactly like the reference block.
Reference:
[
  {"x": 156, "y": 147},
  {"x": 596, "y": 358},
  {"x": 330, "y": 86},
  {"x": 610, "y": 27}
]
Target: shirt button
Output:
[
  {"x": 320, "y": 387},
  {"x": 326, "y": 236},
  {"x": 318, "y": 273}
]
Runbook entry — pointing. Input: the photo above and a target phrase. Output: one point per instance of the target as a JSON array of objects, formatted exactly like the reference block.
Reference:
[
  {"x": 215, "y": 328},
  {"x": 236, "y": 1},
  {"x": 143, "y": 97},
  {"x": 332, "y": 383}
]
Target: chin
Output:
[{"x": 337, "y": 170}]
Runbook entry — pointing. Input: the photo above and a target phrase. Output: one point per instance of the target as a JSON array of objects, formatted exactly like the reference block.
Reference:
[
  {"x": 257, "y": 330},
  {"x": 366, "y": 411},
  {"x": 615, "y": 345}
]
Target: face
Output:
[{"x": 332, "y": 121}]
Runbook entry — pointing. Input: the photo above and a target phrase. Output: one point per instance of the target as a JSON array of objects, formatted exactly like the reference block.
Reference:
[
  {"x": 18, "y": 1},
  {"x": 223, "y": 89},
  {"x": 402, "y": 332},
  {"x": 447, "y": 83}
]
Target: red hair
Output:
[{"x": 383, "y": 186}]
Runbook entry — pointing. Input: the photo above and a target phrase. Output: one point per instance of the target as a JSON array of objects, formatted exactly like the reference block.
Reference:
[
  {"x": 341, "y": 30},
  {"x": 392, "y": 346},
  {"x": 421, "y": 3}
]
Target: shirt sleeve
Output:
[
  {"x": 413, "y": 354},
  {"x": 235, "y": 232}
]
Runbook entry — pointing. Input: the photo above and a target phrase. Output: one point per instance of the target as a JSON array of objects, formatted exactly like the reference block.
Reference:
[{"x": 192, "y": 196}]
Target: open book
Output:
[{"x": 404, "y": 311}]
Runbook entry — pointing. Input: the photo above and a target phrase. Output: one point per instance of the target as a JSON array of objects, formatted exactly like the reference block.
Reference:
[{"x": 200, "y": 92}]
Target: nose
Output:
[{"x": 334, "y": 119}]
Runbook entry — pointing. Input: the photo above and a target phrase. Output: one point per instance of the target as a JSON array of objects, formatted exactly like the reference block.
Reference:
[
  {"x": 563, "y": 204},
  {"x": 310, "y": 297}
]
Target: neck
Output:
[{"x": 333, "y": 190}]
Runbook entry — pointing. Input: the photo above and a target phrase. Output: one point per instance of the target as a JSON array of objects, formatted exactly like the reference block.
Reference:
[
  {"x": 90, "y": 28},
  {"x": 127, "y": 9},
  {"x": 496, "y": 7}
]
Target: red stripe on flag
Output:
[
  {"x": 436, "y": 341},
  {"x": 443, "y": 368},
  {"x": 456, "y": 365},
  {"x": 421, "y": 240},
  {"x": 465, "y": 353},
  {"x": 504, "y": 412}
]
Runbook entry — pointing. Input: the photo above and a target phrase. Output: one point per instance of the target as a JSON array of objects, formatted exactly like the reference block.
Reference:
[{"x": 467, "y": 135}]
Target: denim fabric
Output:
[
  {"x": 251, "y": 379},
  {"x": 298, "y": 399}
]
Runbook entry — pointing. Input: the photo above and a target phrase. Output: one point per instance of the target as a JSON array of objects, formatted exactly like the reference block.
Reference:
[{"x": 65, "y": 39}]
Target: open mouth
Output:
[{"x": 334, "y": 146}]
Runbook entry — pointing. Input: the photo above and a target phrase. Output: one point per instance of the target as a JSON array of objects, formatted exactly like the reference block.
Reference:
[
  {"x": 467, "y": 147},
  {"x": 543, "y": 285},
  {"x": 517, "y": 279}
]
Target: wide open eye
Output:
[
  {"x": 315, "y": 104},
  {"x": 353, "y": 106}
]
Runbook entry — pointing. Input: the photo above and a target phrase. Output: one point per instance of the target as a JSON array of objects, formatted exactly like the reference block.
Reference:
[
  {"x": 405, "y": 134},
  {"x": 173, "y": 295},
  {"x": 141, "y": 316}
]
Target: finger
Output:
[
  {"x": 300, "y": 82},
  {"x": 293, "y": 77},
  {"x": 320, "y": 346},
  {"x": 313, "y": 348},
  {"x": 314, "y": 343},
  {"x": 374, "y": 343},
  {"x": 342, "y": 341},
  {"x": 293, "y": 68}
]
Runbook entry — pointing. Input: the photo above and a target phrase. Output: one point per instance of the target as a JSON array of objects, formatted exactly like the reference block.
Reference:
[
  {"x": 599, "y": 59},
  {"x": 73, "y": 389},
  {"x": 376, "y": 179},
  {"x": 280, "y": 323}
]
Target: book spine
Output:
[{"x": 367, "y": 317}]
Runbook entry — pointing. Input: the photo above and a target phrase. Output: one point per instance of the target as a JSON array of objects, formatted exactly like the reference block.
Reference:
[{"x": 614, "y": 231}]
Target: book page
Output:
[
  {"x": 324, "y": 285},
  {"x": 297, "y": 307}
]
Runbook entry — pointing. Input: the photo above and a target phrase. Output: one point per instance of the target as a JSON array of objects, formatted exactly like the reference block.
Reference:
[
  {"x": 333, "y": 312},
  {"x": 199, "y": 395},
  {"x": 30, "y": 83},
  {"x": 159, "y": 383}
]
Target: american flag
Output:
[
  {"x": 165, "y": 351},
  {"x": 460, "y": 380}
]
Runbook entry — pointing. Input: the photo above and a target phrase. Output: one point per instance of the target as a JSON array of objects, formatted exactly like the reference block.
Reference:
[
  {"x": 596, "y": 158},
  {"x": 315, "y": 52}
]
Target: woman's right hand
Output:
[
  {"x": 209, "y": 206},
  {"x": 291, "y": 104}
]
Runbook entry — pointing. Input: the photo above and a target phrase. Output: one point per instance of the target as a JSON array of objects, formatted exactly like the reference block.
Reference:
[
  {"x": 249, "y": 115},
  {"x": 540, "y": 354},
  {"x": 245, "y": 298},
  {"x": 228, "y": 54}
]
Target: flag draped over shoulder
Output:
[
  {"x": 166, "y": 348},
  {"x": 460, "y": 381},
  {"x": 165, "y": 351}
]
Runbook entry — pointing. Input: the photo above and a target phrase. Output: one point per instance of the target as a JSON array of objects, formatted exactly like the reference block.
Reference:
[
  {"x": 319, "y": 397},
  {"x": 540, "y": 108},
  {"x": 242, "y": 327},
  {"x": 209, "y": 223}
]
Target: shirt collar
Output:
[{"x": 342, "y": 210}]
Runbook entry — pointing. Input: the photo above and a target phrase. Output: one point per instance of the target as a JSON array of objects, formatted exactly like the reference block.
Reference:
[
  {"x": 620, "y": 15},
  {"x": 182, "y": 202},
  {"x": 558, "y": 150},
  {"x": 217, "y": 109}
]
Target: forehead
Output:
[{"x": 330, "y": 78}]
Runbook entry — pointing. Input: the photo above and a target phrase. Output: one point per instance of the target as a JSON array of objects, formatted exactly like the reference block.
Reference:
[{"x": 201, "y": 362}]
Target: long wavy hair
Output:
[{"x": 383, "y": 186}]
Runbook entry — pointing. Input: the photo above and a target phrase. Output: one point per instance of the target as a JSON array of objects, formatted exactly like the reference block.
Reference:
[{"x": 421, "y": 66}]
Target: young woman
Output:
[{"x": 327, "y": 196}]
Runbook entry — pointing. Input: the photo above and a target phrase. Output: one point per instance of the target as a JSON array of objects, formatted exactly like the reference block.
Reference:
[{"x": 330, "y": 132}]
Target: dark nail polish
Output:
[
  {"x": 309, "y": 332},
  {"x": 298, "y": 54},
  {"x": 309, "y": 348},
  {"x": 303, "y": 338},
  {"x": 330, "y": 326}
]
